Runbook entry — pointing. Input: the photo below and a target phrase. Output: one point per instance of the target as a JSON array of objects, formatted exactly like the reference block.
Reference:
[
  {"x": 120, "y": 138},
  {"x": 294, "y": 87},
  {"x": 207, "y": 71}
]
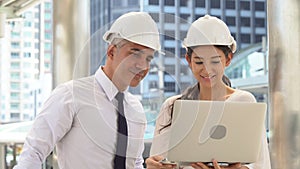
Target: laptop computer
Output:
[{"x": 226, "y": 131}]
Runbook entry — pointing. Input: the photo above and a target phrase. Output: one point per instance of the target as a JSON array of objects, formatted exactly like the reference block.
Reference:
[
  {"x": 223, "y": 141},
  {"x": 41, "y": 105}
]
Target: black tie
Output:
[{"x": 120, "y": 156}]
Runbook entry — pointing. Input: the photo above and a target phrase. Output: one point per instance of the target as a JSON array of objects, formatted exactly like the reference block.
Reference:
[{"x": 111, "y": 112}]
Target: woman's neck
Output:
[{"x": 218, "y": 93}]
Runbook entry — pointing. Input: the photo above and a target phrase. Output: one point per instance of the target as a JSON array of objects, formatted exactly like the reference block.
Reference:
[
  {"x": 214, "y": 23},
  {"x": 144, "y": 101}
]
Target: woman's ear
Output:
[
  {"x": 188, "y": 59},
  {"x": 228, "y": 59}
]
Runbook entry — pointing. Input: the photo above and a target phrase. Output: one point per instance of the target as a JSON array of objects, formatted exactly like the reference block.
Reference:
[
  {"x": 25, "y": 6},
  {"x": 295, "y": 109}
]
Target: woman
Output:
[{"x": 210, "y": 48}]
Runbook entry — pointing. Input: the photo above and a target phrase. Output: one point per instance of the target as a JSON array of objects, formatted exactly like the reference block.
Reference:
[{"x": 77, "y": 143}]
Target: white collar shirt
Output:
[{"x": 79, "y": 118}]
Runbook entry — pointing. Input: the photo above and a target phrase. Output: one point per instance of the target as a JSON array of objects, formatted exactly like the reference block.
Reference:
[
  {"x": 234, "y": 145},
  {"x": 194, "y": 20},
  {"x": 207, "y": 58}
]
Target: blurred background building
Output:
[{"x": 25, "y": 66}]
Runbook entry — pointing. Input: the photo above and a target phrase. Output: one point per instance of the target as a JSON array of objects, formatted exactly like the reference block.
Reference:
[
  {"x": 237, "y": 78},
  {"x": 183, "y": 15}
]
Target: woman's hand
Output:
[
  {"x": 154, "y": 163},
  {"x": 217, "y": 166}
]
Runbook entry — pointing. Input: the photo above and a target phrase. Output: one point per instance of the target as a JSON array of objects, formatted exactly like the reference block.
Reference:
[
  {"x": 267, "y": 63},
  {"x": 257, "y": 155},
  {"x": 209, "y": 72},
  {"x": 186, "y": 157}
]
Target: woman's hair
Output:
[{"x": 226, "y": 50}]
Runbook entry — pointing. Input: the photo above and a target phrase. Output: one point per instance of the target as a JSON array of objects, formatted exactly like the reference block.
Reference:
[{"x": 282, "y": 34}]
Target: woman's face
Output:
[{"x": 208, "y": 65}]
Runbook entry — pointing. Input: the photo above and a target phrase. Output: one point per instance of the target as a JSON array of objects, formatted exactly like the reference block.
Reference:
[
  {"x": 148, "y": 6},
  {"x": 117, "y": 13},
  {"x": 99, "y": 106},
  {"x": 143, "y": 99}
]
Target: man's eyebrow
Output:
[
  {"x": 140, "y": 51},
  {"x": 136, "y": 50}
]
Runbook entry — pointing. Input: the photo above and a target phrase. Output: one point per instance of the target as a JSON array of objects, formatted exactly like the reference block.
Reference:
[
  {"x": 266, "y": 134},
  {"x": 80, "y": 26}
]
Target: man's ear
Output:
[
  {"x": 110, "y": 52},
  {"x": 228, "y": 59}
]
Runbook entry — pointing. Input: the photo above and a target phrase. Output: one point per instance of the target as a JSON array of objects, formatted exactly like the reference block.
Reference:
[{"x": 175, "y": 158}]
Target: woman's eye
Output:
[
  {"x": 215, "y": 62},
  {"x": 199, "y": 63}
]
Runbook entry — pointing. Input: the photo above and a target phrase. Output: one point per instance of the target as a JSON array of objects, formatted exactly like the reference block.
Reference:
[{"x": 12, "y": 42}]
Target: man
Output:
[{"x": 85, "y": 119}]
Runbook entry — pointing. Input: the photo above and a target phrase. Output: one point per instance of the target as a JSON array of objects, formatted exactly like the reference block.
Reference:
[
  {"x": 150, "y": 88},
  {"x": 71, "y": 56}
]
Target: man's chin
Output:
[{"x": 134, "y": 83}]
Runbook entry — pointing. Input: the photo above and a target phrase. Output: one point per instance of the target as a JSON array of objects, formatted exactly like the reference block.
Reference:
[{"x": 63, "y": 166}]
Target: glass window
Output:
[
  {"x": 36, "y": 45},
  {"x": 48, "y": 46},
  {"x": 27, "y": 55},
  {"x": 48, "y": 5},
  {"x": 245, "y": 22},
  {"x": 169, "y": 18},
  {"x": 153, "y": 85},
  {"x": 47, "y": 65},
  {"x": 245, "y": 5},
  {"x": 259, "y": 6},
  {"x": 36, "y": 25},
  {"x": 184, "y": 18},
  {"x": 15, "y": 75},
  {"x": 245, "y": 38},
  {"x": 230, "y": 20},
  {"x": 48, "y": 36},
  {"x": 27, "y": 34},
  {"x": 170, "y": 69},
  {"x": 155, "y": 16},
  {"x": 183, "y": 2},
  {"x": 200, "y": 3},
  {"x": 48, "y": 16},
  {"x": 47, "y": 55},
  {"x": 14, "y": 55},
  {"x": 169, "y": 35},
  {"x": 215, "y": 4},
  {"x": 15, "y": 45},
  {"x": 184, "y": 69},
  {"x": 170, "y": 50},
  {"x": 133, "y": 2},
  {"x": 169, "y": 2},
  {"x": 15, "y": 85},
  {"x": 28, "y": 15},
  {"x": 169, "y": 86},
  {"x": 260, "y": 22},
  {"x": 230, "y": 4},
  {"x": 15, "y": 65},
  {"x": 117, "y": 3},
  {"x": 15, "y": 34},
  {"x": 48, "y": 25},
  {"x": 183, "y": 34},
  {"x": 27, "y": 75},
  {"x": 15, "y": 95},
  {"x": 153, "y": 2},
  {"x": 26, "y": 65},
  {"x": 182, "y": 52},
  {"x": 37, "y": 35},
  {"x": 14, "y": 106},
  {"x": 27, "y": 44},
  {"x": 15, "y": 116},
  {"x": 37, "y": 15},
  {"x": 258, "y": 38}
]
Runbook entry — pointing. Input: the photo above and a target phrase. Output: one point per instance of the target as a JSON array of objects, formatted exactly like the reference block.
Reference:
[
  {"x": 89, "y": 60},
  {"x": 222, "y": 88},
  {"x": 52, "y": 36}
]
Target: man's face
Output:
[{"x": 130, "y": 64}]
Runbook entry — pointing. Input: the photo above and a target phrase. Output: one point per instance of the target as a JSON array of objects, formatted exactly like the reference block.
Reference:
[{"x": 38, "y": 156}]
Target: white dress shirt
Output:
[
  {"x": 160, "y": 143},
  {"x": 79, "y": 118}
]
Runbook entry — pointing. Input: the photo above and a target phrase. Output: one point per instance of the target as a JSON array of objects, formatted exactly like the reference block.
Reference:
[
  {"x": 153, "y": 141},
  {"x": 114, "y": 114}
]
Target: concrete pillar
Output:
[
  {"x": 71, "y": 32},
  {"x": 2, "y": 155},
  {"x": 284, "y": 82},
  {"x": 2, "y": 24},
  {"x": 71, "y": 46}
]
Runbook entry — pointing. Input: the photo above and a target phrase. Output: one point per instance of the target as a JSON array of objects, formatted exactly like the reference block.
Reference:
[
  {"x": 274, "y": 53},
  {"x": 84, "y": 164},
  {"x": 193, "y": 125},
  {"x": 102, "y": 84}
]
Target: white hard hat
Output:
[
  {"x": 136, "y": 27},
  {"x": 209, "y": 30}
]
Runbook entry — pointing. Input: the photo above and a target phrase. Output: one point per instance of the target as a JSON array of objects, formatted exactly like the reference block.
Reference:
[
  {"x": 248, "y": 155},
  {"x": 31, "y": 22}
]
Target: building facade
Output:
[{"x": 26, "y": 64}]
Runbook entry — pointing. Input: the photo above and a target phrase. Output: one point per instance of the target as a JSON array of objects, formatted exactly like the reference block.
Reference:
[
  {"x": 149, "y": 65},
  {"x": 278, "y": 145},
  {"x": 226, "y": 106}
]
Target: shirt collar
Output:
[{"x": 109, "y": 88}]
